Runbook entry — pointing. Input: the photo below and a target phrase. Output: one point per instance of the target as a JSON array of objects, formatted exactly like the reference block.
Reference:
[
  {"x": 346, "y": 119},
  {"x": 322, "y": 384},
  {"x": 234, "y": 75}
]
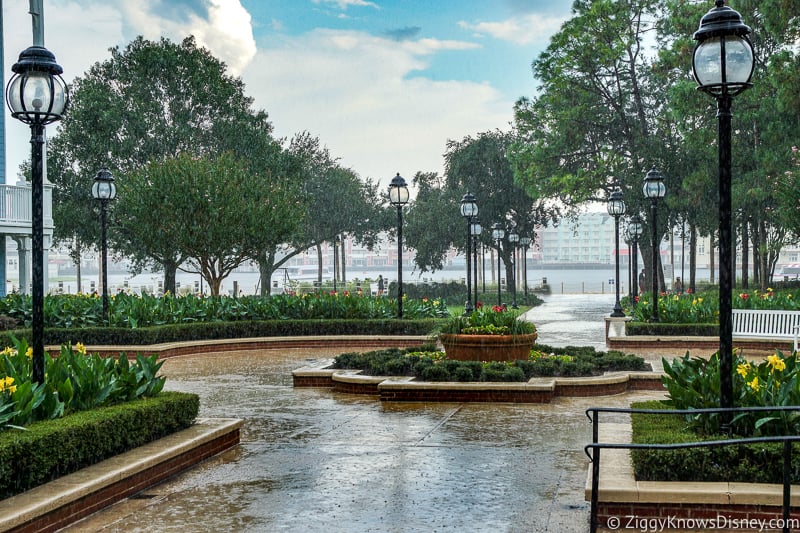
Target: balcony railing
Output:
[{"x": 15, "y": 208}]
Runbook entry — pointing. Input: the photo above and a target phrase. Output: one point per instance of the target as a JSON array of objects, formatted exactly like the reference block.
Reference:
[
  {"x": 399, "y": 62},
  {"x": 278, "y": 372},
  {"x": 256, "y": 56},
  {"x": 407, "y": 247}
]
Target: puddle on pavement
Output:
[{"x": 313, "y": 460}]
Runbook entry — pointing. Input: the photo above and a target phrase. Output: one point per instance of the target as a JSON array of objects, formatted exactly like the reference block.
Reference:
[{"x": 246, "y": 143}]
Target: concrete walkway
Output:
[{"x": 313, "y": 460}]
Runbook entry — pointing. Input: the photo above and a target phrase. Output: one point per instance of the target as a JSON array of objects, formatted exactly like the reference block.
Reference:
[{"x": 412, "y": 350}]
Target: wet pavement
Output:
[{"x": 313, "y": 460}]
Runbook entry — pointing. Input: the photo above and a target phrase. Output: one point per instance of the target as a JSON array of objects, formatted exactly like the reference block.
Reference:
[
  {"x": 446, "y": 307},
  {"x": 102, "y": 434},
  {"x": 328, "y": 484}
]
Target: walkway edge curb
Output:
[{"x": 67, "y": 499}]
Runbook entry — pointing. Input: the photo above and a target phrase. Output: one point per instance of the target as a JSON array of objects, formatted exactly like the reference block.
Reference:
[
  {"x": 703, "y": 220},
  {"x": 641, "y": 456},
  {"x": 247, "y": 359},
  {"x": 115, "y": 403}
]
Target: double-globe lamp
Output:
[
  {"x": 104, "y": 190},
  {"x": 37, "y": 95},
  {"x": 398, "y": 197},
  {"x": 469, "y": 210},
  {"x": 616, "y": 208},
  {"x": 723, "y": 64},
  {"x": 654, "y": 189}
]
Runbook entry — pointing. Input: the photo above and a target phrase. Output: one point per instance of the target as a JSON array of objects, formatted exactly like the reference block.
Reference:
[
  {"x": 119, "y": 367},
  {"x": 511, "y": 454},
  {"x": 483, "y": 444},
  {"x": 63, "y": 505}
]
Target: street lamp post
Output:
[
  {"x": 398, "y": 197},
  {"x": 654, "y": 189},
  {"x": 636, "y": 232},
  {"x": 525, "y": 242},
  {"x": 498, "y": 232},
  {"x": 723, "y": 65},
  {"x": 616, "y": 208},
  {"x": 513, "y": 239},
  {"x": 37, "y": 95},
  {"x": 104, "y": 191},
  {"x": 469, "y": 209},
  {"x": 475, "y": 230},
  {"x": 627, "y": 238}
]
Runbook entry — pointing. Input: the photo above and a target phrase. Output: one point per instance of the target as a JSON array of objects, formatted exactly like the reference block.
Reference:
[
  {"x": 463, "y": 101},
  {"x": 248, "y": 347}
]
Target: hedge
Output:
[
  {"x": 746, "y": 463},
  {"x": 50, "y": 449}
]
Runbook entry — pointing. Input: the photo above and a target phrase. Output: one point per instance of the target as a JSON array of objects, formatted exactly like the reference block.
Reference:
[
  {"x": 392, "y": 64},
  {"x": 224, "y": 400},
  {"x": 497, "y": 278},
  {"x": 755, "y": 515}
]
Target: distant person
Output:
[
  {"x": 380, "y": 285},
  {"x": 678, "y": 287},
  {"x": 642, "y": 281}
]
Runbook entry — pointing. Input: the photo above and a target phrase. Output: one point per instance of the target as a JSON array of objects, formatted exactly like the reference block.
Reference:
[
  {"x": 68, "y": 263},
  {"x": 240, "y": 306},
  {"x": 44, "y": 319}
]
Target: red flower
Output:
[{"x": 478, "y": 305}]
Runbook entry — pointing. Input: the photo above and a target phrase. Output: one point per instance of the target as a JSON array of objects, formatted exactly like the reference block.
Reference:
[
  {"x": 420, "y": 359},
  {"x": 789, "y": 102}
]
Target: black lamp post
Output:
[
  {"x": 475, "y": 230},
  {"x": 104, "y": 191},
  {"x": 37, "y": 95},
  {"x": 525, "y": 242},
  {"x": 627, "y": 238},
  {"x": 636, "y": 232},
  {"x": 654, "y": 189},
  {"x": 513, "y": 239},
  {"x": 398, "y": 197},
  {"x": 616, "y": 208},
  {"x": 723, "y": 64},
  {"x": 469, "y": 209},
  {"x": 498, "y": 232}
]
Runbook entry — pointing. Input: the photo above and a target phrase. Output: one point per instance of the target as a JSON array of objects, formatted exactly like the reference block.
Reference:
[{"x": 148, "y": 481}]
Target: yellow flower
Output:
[
  {"x": 80, "y": 348},
  {"x": 29, "y": 352},
  {"x": 769, "y": 289},
  {"x": 8, "y": 350},
  {"x": 753, "y": 384},
  {"x": 675, "y": 298},
  {"x": 743, "y": 369},
  {"x": 7, "y": 384},
  {"x": 789, "y": 296},
  {"x": 776, "y": 362},
  {"x": 700, "y": 300}
]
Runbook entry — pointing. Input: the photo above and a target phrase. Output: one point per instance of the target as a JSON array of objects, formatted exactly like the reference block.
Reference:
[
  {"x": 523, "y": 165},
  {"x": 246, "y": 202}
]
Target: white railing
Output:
[{"x": 15, "y": 208}]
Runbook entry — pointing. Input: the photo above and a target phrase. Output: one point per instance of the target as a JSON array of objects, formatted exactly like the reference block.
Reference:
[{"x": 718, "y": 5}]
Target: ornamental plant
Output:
[
  {"x": 704, "y": 308},
  {"x": 143, "y": 310},
  {"x": 489, "y": 321},
  {"x": 74, "y": 381},
  {"x": 693, "y": 383}
]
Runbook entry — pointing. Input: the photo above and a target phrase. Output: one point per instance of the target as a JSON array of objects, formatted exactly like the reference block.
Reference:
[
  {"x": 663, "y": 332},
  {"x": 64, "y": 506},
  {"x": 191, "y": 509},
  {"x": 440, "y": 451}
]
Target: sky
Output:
[{"x": 384, "y": 84}]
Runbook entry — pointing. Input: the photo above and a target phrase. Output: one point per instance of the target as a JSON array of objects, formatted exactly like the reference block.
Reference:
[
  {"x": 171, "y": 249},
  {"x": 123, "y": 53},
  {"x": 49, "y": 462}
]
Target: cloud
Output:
[
  {"x": 523, "y": 30},
  {"x": 224, "y": 27},
  {"x": 355, "y": 92},
  {"x": 344, "y": 4}
]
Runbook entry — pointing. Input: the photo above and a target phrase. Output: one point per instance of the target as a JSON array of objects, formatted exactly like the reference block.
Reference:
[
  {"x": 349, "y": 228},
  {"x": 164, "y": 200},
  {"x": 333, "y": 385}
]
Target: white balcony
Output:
[{"x": 15, "y": 209}]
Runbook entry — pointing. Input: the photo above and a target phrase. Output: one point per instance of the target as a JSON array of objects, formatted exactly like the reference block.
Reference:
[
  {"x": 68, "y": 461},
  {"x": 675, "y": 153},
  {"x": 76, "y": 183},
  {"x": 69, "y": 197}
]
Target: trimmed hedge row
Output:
[
  {"x": 682, "y": 330},
  {"x": 53, "y": 448},
  {"x": 747, "y": 463},
  {"x": 227, "y": 330}
]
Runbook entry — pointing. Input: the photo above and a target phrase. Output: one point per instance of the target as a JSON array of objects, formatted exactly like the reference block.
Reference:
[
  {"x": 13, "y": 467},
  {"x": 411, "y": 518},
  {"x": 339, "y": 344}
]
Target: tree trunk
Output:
[
  {"x": 762, "y": 237},
  {"x": 170, "y": 271},
  {"x": 342, "y": 262},
  {"x": 266, "y": 266},
  {"x": 711, "y": 258},
  {"x": 745, "y": 255},
  {"x": 692, "y": 258},
  {"x": 318, "y": 246}
]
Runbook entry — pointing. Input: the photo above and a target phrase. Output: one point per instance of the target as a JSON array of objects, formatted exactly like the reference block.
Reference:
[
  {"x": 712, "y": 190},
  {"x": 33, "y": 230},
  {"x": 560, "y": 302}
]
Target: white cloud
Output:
[
  {"x": 524, "y": 30},
  {"x": 344, "y": 4},
  {"x": 356, "y": 92},
  {"x": 228, "y": 31}
]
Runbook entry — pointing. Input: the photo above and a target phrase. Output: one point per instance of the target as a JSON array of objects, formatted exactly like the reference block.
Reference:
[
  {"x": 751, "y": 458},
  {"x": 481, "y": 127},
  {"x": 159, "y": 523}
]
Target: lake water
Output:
[{"x": 561, "y": 280}]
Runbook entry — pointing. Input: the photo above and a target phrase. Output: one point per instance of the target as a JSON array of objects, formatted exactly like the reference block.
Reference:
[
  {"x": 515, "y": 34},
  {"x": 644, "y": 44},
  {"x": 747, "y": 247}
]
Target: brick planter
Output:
[{"x": 487, "y": 347}]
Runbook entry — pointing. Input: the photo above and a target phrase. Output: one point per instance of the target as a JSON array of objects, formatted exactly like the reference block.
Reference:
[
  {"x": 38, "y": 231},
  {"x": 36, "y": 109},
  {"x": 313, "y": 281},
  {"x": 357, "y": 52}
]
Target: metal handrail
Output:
[{"x": 595, "y": 447}]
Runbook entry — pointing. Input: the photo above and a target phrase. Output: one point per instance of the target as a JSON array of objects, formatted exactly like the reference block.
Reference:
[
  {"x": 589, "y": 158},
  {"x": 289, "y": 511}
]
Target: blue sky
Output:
[{"x": 383, "y": 83}]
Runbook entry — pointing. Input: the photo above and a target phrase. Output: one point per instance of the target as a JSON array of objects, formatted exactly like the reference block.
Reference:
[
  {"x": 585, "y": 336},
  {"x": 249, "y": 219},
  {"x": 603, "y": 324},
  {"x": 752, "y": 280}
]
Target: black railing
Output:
[{"x": 593, "y": 449}]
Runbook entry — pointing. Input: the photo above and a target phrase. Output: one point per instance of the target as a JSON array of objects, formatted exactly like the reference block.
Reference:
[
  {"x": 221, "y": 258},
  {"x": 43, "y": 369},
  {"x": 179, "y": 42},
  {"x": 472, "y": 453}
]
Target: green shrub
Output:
[
  {"x": 747, "y": 463},
  {"x": 49, "y": 449}
]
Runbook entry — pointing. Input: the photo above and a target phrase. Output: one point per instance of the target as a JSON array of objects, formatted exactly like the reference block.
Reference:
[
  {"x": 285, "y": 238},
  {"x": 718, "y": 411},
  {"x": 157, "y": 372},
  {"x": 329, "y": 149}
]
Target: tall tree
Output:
[
  {"x": 149, "y": 102},
  {"x": 210, "y": 211},
  {"x": 332, "y": 200},
  {"x": 478, "y": 165},
  {"x": 591, "y": 127}
]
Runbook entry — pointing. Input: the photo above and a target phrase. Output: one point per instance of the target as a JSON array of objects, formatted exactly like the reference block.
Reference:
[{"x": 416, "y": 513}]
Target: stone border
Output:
[
  {"x": 174, "y": 349},
  {"x": 65, "y": 500},
  {"x": 620, "y": 496},
  {"x": 535, "y": 390}
]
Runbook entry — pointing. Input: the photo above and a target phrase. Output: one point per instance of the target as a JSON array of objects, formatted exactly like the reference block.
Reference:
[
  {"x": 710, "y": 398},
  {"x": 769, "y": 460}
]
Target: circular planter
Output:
[{"x": 487, "y": 347}]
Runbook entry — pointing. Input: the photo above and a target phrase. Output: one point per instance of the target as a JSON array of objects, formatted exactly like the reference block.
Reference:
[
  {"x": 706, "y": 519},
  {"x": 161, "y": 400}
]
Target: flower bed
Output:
[{"x": 428, "y": 364}]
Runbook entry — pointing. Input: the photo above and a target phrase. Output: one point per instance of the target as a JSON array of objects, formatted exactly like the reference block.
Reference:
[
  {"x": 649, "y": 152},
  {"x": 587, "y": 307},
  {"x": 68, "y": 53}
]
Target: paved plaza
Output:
[{"x": 313, "y": 460}]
